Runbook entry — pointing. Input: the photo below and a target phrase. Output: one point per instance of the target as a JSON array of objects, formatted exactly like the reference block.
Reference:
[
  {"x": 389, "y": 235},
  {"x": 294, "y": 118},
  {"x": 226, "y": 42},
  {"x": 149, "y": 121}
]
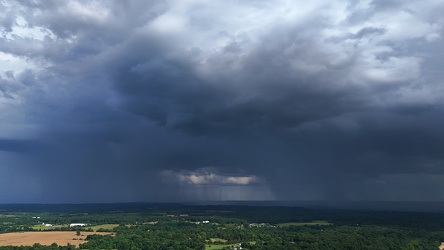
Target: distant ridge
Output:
[
  {"x": 407, "y": 206},
  {"x": 401, "y": 206}
]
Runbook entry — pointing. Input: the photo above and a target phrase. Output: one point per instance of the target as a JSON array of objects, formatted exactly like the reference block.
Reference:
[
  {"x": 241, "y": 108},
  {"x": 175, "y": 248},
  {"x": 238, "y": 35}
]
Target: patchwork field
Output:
[{"x": 44, "y": 238}]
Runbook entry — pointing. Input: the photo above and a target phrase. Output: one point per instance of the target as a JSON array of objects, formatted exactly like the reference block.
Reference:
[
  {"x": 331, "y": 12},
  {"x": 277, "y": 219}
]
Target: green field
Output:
[
  {"x": 313, "y": 223},
  {"x": 104, "y": 226},
  {"x": 43, "y": 227},
  {"x": 217, "y": 246},
  {"x": 217, "y": 239},
  {"x": 212, "y": 246}
]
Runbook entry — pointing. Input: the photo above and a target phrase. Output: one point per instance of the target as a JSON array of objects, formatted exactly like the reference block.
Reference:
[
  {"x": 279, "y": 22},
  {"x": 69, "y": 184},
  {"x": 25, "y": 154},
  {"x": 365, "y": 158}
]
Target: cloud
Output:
[
  {"x": 13, "y": 145},
  {"x": 207, "y": 176},
  {"x": 293, "y": 100},
  {"x": 209, "y": 184}
]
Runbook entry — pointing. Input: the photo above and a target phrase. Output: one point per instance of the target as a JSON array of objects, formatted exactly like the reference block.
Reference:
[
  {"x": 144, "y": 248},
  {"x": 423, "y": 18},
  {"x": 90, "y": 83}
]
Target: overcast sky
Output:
[{"x": 116, "y": 101}]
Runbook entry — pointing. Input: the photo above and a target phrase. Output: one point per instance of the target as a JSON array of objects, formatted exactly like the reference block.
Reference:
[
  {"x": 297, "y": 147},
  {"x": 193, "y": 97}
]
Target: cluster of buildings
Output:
[
  {"x": 70, "y": 225},
  {"x": 203, "y": 222}
]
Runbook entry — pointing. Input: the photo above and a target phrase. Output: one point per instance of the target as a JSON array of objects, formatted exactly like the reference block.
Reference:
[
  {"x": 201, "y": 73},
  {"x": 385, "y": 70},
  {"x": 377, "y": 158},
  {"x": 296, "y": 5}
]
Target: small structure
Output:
[{"x": 77, "y": 225}]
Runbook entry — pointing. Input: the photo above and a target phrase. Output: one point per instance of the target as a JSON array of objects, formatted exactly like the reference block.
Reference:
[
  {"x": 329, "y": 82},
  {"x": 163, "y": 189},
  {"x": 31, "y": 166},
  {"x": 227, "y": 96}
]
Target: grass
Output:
[
  {"x": 217, "y": 239},
  {"x": 217, "y": 246},
  {"x": 150, "y": 223},
  {"x": 313, "y": 223},
  {"x": 104, "y": 226},
  {"x": 212, "y": 246},
  {"x": 43, "y": 227}
]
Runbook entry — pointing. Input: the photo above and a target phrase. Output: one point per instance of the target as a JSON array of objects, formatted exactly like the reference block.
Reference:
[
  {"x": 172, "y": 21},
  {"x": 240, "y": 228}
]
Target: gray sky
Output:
[{"x": 114, "y": 101}]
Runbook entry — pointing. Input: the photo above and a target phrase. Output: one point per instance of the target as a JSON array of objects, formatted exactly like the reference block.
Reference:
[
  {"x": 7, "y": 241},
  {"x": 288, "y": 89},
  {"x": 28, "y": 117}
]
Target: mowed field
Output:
[{"x": 44, "y": 238}]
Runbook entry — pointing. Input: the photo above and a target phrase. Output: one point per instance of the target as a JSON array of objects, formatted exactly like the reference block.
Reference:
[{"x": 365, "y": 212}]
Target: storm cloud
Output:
[{"x": 109, "y": 101}]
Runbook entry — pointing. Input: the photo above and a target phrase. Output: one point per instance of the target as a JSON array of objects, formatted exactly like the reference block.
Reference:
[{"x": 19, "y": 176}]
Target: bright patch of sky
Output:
[{"x": 21, "y": 30}]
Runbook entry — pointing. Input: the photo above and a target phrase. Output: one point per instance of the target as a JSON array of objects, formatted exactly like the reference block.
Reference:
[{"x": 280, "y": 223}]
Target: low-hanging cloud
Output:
[{"x": 208, "y": 176}]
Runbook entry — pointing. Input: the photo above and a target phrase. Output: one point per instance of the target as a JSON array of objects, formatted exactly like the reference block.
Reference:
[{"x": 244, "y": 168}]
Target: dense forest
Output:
[{"x": 176, "y": 226}]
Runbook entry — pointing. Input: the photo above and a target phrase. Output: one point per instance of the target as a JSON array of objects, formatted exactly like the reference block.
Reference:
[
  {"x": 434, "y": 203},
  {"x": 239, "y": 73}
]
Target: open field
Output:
[
  {"x": 43, "y": 227},
  {"x": 150, "y": 223},
  {"x": 217, "y": 240},
  {"x": 44, "y": 238},
  {"x": 313, "y": 223},
  {"x": 213, "y": 247},
  {"x": 104, "y": 226},
  {"x": 210, "y": 246}
]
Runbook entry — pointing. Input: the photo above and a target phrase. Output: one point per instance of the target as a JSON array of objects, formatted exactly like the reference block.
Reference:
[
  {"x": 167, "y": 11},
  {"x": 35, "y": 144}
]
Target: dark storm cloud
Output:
[
  {"x": 260, "y": 93},
  {"x": 155, "y": 100},
  {"x": 15, "y": 145}
]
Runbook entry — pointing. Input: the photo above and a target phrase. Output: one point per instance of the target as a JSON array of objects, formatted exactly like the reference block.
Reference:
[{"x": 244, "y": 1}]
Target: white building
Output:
[{"x": 77, "y": 225}]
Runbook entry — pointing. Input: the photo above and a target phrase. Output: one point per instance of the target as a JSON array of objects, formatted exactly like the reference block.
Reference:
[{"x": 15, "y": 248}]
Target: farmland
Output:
[
  {"x": 44, "y": 238},
  {"x": 177, "y": 226}
]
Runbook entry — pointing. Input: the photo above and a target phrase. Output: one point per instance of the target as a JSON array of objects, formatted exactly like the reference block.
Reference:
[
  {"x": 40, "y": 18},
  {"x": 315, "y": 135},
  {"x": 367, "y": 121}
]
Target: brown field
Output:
[{"x": 44, "y": 238}]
